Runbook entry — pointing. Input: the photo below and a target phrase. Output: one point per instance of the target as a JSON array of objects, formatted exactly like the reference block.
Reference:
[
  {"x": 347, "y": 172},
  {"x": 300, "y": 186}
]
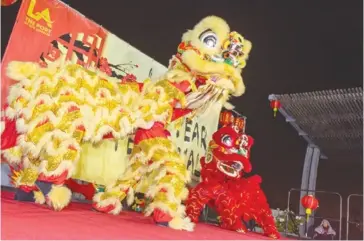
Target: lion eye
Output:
[
  {"x": 226, "y": 139},
  {"x": 209, "y": 38}
]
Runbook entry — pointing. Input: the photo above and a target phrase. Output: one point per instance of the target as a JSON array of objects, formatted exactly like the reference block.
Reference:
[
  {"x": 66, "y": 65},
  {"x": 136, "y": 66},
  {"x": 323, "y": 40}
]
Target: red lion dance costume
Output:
[{"x": 222, "y": 186}]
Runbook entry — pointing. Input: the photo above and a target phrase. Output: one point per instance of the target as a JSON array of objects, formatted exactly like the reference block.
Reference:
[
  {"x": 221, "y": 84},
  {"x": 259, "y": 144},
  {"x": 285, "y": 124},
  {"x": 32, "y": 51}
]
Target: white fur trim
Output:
[
  {"x": 131, "y": 196},
  {"x": 179, "y": 223},
  {"x": 10, "y": 113},
  {"x": 10, "y": 157},
  {"x": 21, "y": 127},
  {"x": 21, "y": 70},
  {"x": 106, "y": 202}
]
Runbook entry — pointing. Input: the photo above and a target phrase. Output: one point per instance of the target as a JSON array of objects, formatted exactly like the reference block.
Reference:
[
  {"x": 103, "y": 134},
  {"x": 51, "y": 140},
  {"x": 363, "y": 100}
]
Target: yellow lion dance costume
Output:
[{"x": 61, "y": 107}]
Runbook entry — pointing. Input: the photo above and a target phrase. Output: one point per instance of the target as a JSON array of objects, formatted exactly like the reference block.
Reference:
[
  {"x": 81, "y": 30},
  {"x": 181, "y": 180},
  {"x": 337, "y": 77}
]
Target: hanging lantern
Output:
[
  {"x": 275, "y": 105},
  {"x": 226, "y": 118},
  {"x": 7, "y": 2},
  {"x": 310, "y": 203},
  {"x": 240, "y": 122}
]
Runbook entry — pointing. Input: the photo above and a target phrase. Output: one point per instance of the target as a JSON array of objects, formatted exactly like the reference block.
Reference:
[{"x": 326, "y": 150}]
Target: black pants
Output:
[{"x": 250, "y": 224}]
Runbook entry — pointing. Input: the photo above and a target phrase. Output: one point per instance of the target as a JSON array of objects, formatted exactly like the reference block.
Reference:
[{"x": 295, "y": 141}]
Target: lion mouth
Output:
[{"x": 230, "y": 170}]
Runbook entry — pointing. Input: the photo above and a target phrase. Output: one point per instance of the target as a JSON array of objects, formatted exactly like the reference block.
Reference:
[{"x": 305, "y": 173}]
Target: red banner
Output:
[{"x": 41, "y": 27}]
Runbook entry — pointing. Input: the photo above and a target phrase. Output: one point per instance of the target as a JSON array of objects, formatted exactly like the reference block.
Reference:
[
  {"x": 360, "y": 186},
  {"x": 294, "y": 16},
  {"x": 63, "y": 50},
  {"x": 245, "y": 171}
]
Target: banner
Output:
[
  {"x": 193, "y": 138},
  {"x": 48, "y": 30}
]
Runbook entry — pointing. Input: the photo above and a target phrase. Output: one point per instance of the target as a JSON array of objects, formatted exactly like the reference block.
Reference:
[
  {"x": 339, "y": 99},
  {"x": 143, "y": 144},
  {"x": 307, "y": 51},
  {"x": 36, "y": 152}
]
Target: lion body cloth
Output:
[
  {"x": 223, "y": 188},
  {"x": 59, "y": 108}
]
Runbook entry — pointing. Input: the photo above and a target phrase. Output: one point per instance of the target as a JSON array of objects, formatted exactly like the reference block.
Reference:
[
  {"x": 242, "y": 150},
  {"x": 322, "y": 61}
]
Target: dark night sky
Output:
[{"x": 298, "y": 46}]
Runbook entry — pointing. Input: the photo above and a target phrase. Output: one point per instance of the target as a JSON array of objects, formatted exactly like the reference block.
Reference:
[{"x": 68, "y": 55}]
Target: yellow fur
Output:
[
  {"x": 196, "y": 64},
  {"x": 181, "y": 224},
  {"x": 13, "y": 155},
  {"x": 59, "y": 197},
  {"x": 19, "y": 70},
  {"x": 39, "y": 197},
  {"x": 216, "y": 25},
  {"x": 247, "y": 47}
]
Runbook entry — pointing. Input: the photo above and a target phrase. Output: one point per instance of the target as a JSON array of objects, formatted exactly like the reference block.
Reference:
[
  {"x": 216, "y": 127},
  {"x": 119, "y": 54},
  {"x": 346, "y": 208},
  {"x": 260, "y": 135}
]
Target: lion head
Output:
[
  {"x": 211, "y": 58},
  {"x": 229, "y": 152}
]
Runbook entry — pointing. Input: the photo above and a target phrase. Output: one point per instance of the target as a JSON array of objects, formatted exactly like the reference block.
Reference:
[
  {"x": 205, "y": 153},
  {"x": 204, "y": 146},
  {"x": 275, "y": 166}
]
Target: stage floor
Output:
[{"x": 78, "y": 222}]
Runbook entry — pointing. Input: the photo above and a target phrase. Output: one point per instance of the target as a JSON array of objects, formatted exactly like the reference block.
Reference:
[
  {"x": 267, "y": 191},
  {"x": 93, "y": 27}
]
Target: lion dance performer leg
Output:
[{"x": 253, "y": 204}]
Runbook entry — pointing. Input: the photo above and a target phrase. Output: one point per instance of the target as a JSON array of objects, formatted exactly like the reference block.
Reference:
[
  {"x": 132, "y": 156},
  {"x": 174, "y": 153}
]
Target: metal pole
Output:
[
  {"x": 306, "y": 172},
  {"x": 341, "y": 215},
  {"x": 348, "y": 213},
  {"x": 312, "y": 180},
  {"x": 305, "y": 185},
  {"x": 347, "y": 216},
  {"x": 288, "y": 204},
  {"x": 314, "y": 165}
]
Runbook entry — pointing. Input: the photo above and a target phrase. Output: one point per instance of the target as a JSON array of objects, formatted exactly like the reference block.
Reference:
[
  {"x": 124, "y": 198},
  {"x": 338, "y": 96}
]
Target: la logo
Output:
[{"x": 39, "y": 15}]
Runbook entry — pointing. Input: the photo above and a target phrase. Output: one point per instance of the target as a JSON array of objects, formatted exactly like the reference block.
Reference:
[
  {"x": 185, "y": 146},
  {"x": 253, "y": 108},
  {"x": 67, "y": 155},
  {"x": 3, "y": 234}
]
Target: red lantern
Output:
[
  {"x": 275, "y": 105},
  {"x": 240, "y": 122},
  {"x": 226, "y": 118},
  {"x": 310, "y": 203}
]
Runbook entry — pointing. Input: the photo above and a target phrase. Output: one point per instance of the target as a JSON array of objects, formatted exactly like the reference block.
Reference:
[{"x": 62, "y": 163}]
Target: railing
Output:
[
  {"x": 315, "y": 191},
  {"x": 348, "y": 213}
]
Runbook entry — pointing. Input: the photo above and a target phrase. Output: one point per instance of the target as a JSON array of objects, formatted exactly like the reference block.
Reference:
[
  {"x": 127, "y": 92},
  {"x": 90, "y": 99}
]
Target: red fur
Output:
[
  {"x": 87, "y": 190},
  {"x": 9, "y": 135}
]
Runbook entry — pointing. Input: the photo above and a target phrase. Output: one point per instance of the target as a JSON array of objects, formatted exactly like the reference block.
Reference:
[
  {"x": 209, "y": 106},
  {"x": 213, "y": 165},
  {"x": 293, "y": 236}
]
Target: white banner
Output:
[{"x": 193, "y": 137}]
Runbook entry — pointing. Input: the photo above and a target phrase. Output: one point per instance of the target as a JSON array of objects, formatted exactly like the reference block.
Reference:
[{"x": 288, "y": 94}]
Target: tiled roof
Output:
[{"x": 329, "y": 119}]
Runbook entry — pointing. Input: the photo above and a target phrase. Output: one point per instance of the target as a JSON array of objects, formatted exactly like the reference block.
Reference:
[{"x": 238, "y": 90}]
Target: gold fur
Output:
[
  {"x": 181, "y": 224},
  {"x": 39, "y": 197},
  {"x": 216, "y": 25},
  {"x": 59, "y": 197}
]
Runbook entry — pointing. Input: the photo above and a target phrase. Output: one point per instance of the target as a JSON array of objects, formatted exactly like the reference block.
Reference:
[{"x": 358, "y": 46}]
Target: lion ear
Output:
[
  {"x": 187, "y": 36},
  {"x": 247, "y": 47}
]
